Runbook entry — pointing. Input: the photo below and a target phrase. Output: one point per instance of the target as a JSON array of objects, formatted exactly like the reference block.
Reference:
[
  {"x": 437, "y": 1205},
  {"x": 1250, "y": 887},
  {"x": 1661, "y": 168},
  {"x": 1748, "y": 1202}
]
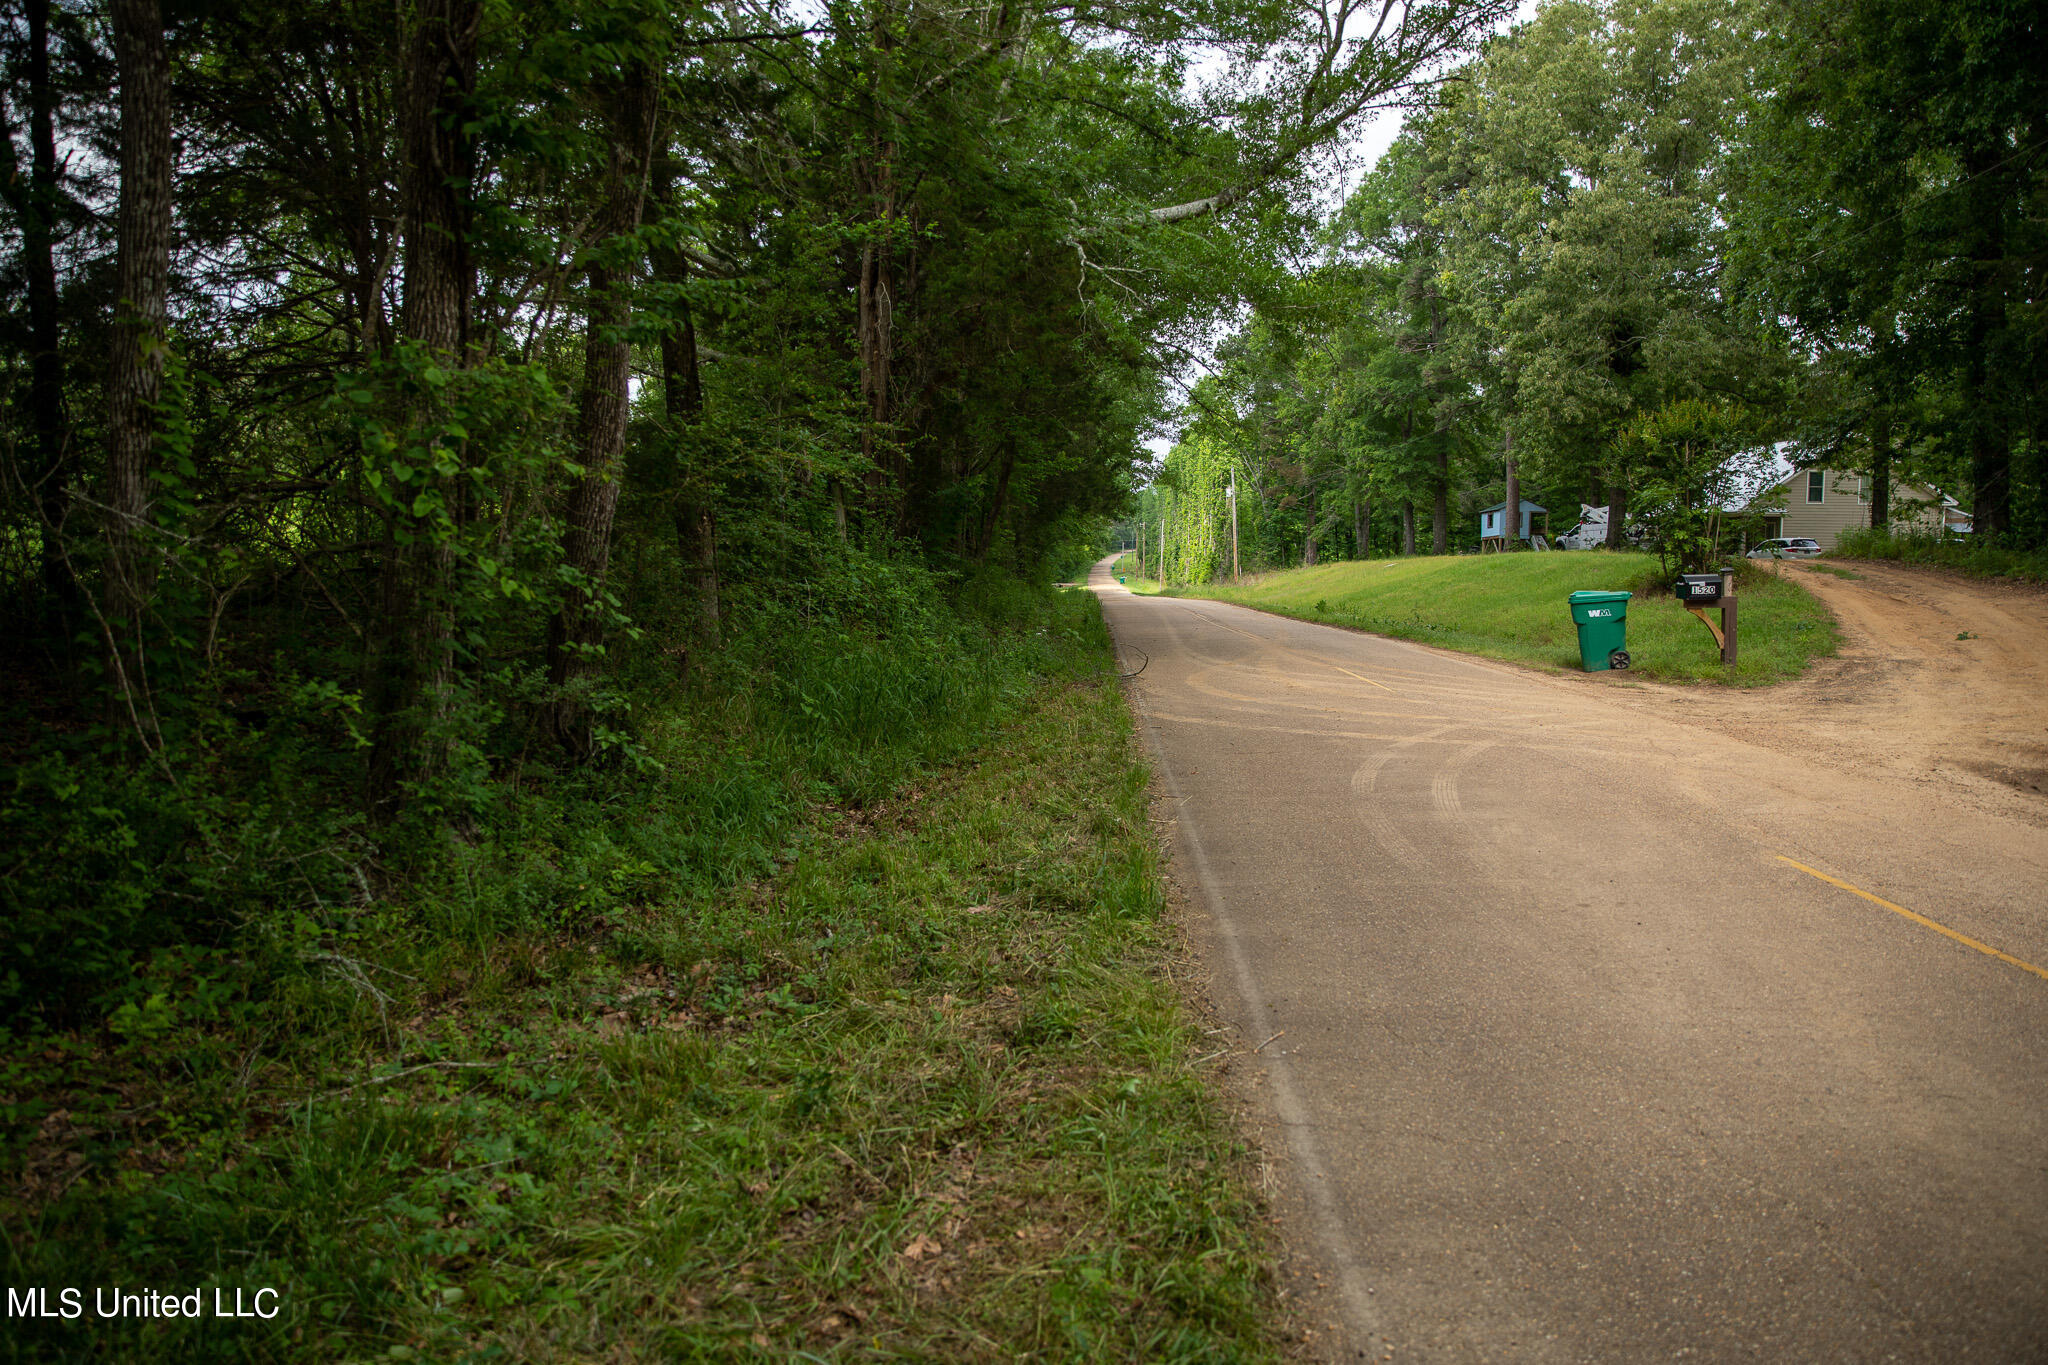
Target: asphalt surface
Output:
[{"x": 1568, "y": 1050}]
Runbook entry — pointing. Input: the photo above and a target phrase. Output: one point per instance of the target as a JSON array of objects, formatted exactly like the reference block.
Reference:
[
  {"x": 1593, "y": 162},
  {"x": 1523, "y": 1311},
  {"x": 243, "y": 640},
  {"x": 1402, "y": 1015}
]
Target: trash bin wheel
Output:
[{"x": 1617, "y": 659}]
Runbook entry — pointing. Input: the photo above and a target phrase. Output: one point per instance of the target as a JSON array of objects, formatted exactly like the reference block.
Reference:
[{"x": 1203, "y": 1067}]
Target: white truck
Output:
[{"x": 1591, "y": 532}]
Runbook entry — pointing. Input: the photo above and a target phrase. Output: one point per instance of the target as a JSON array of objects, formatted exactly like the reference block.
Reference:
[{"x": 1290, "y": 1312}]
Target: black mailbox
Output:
[{"x": 1696, "y": 588}]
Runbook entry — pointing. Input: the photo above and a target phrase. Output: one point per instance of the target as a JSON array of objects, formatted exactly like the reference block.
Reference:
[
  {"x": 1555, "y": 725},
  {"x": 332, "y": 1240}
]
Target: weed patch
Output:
[
  {"x": 1977, "y": 558},
  {"x": 915, "y": 1087}
]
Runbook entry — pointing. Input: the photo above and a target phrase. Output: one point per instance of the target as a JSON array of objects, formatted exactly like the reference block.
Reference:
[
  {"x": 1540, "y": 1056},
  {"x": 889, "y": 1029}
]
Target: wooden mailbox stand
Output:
[{"x": 1724, "y": 634}]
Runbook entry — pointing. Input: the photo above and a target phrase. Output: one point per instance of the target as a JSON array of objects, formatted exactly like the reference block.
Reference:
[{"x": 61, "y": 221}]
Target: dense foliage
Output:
[
  {"x": 419, "y": 419},
  {"x": 1636, "y": 256},
  {"x": 521, "y": 545}
]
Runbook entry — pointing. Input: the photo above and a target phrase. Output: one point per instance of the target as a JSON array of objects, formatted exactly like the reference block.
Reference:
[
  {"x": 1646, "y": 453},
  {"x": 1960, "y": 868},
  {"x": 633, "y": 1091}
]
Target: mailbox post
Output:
[{"x": 1698, "y": 591}]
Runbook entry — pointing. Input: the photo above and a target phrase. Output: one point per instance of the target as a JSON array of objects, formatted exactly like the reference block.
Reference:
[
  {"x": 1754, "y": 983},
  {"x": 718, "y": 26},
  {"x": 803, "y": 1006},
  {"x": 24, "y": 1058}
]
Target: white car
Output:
[{"x": 1786, "y": 547}]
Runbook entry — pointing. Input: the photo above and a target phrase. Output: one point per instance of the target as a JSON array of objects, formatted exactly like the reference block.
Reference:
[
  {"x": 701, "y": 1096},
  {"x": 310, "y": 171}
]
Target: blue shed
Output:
[{"x": 1492, "y": 518}]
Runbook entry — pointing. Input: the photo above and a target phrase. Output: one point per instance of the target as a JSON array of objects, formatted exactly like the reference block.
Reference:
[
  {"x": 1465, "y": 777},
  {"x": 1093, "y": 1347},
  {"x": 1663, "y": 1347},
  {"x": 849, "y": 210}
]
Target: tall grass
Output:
[
  {"x": 1977, "y": 557},
  {"x": 837, "y": 1027}
]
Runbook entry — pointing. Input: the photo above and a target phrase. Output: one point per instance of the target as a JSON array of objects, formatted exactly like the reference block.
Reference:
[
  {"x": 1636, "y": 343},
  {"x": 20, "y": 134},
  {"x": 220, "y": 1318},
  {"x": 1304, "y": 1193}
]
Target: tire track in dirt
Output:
[{"x": 1939, "y": 679}]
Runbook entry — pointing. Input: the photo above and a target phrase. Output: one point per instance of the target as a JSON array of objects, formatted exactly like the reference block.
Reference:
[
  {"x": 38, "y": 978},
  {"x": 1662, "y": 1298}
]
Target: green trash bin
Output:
[{"x": 1602, "y": 619}]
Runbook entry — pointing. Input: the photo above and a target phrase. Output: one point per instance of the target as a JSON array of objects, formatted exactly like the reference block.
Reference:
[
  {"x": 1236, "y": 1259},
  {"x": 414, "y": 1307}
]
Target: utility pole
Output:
[{"x": 1233, "y": 527}]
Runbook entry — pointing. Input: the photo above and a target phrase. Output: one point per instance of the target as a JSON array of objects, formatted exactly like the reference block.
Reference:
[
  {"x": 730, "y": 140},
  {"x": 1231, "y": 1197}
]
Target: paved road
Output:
[{"x": 1574, "y": 1054}]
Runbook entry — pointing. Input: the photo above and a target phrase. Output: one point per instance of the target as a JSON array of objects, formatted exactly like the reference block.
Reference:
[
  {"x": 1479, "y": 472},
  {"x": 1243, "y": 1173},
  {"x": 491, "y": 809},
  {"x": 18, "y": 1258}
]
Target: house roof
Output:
[{"x": 1527, "y": 506}]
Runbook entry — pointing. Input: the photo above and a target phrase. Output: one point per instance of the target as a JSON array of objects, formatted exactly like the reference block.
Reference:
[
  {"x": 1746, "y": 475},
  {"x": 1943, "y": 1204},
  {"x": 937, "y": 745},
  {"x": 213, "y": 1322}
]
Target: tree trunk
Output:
[
  {"x": 1308, "y": 534},
  {"x": 1407, "y": 527},
  {"x": 682, "y": 391},
  {"x": 1511, "y": 521},
  {"x": 1440, "y": 505},
  {"x": 1617, "y": 513},
  {"x": 1361, "y": 526},
  {"x": 875, "y": 322},
  {"x": 1881, "y": 467},
  {"x": 136, "y": 368},
  {"x": 995, "y": 508},
  {"x": 35, "y": 204},
  {"x": 412, "y": 657},
  {"x": 576, "y": 634},
  {"x": 1985, "y": 408}
]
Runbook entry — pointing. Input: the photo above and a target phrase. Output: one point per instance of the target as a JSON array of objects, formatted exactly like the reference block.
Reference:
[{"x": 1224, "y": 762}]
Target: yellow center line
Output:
[
  {"x": 1362, "y": 678},
  {"x": 1963, "y": 939}
]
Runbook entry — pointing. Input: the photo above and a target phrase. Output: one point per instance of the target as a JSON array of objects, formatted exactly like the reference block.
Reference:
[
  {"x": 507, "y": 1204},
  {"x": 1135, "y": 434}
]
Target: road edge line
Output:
[{"x": 1289, "y": 1107}]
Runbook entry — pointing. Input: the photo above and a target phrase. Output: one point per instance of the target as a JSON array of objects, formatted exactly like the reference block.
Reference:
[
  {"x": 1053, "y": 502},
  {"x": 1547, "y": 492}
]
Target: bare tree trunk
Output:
[
  {"x": 412, "y": 667},
  {"x": 1512, "y": 525},
  {"x": 1989, "y": 438},
  {"x": 1361, "y": 526},
  {"x": 1617, "y": 512},
  {"x": 682, "y": 392},
  {"x": 576, "y": 634},
  {"x": 1881, "y": 467},
  {"x": 1440, "y": 505},
  {"x": 34, "y": 200},
  {"x": 995, "y": 508},
  {"x": 1309, "y": 529},
  {"x": 875, "y": 325},
  {"x": 136, "y": 368},
  {"x": 1407, "y": 527}
]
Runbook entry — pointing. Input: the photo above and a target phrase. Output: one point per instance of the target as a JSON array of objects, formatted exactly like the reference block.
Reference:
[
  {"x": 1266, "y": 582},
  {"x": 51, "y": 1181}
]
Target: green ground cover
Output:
[
  {"x": 1975, "y": 558},
  {"x": 1126, "y": 569},
  {"x": 1513, "y": 607},
  {"x": 916, "y": 1087}
]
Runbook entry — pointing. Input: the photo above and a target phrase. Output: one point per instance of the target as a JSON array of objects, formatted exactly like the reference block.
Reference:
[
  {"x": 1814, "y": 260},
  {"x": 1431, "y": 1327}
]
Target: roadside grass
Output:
[
  {"x": 923, "y": 1090},
  {"x": 1968, "y": 556},
  {"x": 1126, "y": 568},
  {"x": 1512, "y": 607}
]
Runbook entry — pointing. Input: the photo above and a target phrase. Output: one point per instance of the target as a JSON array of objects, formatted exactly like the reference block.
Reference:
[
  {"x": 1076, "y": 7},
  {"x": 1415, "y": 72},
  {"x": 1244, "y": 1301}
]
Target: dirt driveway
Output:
[{"x": 1941, "y": 680}]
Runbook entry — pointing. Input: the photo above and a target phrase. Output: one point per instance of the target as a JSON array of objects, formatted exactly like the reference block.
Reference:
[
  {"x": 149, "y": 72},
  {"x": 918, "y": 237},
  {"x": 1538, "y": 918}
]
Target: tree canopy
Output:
[{"x": 1814, "y": 229}]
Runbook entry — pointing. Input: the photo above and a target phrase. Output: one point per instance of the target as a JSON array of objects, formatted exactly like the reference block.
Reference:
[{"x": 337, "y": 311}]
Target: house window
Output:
[
  {"x": 1863, "y": 489},
  {"x": 1816, "y": 486}
]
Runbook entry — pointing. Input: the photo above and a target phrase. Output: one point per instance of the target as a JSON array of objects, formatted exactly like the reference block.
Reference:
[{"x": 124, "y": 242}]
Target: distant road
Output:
[{"x": 1601, "y": 1021}]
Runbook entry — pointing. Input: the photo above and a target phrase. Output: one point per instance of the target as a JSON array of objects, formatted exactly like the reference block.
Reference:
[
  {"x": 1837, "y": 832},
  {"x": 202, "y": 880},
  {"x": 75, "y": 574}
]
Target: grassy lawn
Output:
[
  {"x": 1513, "y": 607},
  {"x": 1126, "y": 568},
  {"x": 926, "y": 1091}
]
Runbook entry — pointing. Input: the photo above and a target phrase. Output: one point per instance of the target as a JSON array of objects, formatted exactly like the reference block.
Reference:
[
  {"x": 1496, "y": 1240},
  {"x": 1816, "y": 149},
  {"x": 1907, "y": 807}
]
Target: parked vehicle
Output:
[
  {"x": 1785, "y": 547},
  {"x": 1591, "y": 532}
]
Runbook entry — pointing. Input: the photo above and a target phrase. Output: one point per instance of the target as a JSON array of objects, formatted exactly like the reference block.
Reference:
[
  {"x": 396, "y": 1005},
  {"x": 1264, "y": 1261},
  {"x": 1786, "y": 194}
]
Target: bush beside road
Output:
[{"x": 1975, "y": 558}]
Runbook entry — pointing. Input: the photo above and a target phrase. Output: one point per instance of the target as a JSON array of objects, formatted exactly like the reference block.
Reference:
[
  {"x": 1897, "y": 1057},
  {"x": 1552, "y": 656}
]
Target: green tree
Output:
[{"x": 1888, "y": 214}]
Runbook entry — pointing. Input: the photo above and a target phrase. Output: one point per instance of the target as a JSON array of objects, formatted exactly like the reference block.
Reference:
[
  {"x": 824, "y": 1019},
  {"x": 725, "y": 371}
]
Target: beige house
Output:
[{"x": 1823, "y": 503}]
